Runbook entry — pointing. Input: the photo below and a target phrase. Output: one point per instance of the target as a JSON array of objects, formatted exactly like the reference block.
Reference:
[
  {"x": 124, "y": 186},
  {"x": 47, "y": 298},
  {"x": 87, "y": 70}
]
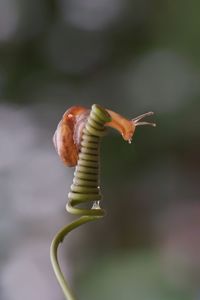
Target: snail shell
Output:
[{"x": 68, "y": 134}]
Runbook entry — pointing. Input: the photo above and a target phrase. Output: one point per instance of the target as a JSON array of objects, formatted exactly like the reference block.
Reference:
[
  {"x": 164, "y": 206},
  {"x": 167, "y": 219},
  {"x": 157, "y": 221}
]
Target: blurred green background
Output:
[{"x": 132, "y": 57}]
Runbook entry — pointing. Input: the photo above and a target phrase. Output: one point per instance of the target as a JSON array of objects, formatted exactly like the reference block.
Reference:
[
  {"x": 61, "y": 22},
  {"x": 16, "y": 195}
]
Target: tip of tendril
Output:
[{"x": 96, "y": 205}]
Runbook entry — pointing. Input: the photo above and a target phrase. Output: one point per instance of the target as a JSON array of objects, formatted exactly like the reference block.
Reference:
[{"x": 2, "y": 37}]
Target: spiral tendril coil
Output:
[
  {"x": 86, "y": 182},
  {"x": 85, "y": 187}
]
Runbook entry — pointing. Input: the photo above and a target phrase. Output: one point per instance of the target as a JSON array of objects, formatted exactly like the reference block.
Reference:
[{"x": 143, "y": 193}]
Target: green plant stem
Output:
[{"x": 59, "y": 237}]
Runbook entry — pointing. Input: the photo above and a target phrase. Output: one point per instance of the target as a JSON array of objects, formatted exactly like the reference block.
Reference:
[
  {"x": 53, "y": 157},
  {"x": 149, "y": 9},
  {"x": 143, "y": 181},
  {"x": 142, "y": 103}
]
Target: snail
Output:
[{"x": 67, "y": 137}]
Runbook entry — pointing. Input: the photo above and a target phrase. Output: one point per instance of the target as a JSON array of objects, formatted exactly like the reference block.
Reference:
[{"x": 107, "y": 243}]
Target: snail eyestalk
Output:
[
  {"x": 145, "y": 123},
  {"x": 77, "y": 141},
  {"x": 138, "y": 118},
  {"x": 136, "y": 121}
]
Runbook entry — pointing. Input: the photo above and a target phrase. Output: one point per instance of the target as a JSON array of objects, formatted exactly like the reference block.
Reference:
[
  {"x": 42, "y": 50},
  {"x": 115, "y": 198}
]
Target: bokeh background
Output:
[{"x": 131, "y": 56}]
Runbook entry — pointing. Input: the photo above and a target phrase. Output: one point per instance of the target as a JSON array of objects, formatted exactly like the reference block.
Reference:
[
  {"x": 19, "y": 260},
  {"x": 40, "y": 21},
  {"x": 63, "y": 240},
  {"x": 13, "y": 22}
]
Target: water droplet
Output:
[{"x": 96, "y": 205}]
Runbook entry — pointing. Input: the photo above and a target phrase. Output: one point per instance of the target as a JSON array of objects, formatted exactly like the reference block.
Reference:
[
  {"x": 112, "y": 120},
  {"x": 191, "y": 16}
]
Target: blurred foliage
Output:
[{"x": 128, "y": 276}]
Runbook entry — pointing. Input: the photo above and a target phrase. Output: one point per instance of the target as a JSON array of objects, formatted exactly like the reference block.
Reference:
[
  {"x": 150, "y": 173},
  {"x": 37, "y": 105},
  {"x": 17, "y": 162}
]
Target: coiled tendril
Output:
[{"x": 85, "y": 187}]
